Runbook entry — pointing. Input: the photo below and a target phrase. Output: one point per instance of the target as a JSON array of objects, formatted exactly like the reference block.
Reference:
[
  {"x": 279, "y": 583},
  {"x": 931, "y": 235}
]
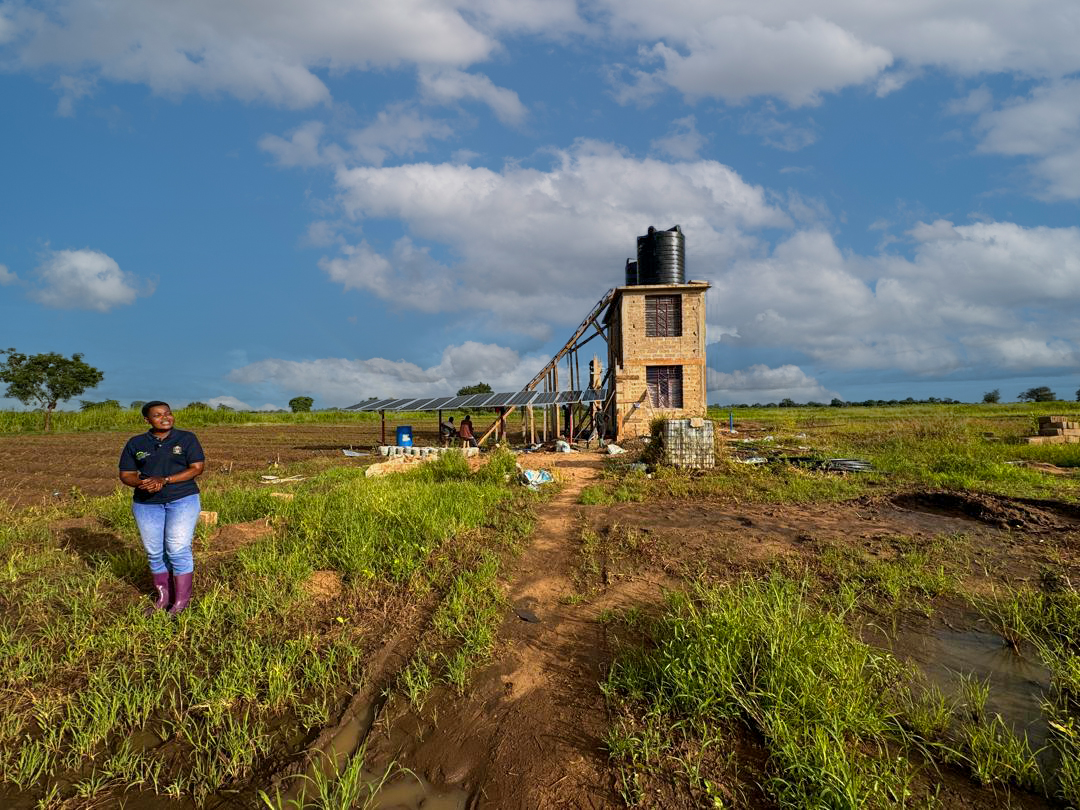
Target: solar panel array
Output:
[{"x": 516, "y": 399}]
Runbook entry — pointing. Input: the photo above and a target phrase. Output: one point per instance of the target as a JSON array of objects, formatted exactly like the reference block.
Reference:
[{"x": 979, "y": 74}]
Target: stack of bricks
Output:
[{"x": 1056, "y": 430}]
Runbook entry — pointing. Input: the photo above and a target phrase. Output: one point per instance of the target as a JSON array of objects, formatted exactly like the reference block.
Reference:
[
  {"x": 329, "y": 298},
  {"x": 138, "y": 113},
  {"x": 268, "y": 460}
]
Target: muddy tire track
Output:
[{"x": 528, "y": 733}]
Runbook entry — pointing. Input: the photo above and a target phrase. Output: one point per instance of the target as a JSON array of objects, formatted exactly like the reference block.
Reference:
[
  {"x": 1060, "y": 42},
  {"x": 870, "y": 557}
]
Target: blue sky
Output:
[{"x": 241, "y": 202}]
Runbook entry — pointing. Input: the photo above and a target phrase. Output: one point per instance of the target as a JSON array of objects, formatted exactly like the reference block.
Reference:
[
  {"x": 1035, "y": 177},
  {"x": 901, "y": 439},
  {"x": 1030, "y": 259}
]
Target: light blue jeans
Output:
[{"x": 167, "y": 530}]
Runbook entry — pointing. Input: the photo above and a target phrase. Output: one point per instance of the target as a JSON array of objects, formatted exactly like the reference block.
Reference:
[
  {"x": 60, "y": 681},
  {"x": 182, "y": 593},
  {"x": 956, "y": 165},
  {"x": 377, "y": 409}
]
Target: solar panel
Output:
[
  {"x": 492, "y": 400},
  {"x": 439, "y": 404},
  {"x": 594, "y": 395},
  {"x": 505, "y": 400},
  {"x": 569, "y": 397},
  {"x": 395, "y": 404},
  {"x": 476, "y": 400},
  {"x": 522, "y": 399},
  {"x": 456, "y": 402},
  {"x": 546, "y": 398},
  {"x": 419, "y": 404},
  {"x": 370, "y": 405}
]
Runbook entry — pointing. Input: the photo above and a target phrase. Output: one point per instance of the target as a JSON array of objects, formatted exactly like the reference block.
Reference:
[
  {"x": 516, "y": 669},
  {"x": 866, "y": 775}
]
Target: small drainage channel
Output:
[{"x": 330, "y": 756}]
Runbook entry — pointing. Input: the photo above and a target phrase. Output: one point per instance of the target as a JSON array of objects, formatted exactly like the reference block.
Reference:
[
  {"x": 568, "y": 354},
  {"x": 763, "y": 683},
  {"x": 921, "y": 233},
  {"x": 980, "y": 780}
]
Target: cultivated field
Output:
[{"x": 771, "y": 633}]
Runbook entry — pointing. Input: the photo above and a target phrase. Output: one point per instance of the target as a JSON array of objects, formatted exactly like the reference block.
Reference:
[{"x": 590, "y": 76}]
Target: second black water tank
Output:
[{"x": 661, "y": 257}]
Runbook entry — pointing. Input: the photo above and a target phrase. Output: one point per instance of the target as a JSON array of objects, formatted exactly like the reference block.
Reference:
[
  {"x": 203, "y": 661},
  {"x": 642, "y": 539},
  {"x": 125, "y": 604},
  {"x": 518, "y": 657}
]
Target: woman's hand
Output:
[{"x": 151, "y": 484}]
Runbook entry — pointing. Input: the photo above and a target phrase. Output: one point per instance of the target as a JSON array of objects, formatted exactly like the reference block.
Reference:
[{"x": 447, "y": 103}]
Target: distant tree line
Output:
[{"x": 1041, "y": 393}]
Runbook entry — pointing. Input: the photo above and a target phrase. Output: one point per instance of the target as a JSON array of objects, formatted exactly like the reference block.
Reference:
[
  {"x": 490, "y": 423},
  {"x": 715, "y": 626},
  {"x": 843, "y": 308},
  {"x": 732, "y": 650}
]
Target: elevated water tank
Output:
[
  {"x": 631, "y": 273},
  {"x": 661, "y": 257}
]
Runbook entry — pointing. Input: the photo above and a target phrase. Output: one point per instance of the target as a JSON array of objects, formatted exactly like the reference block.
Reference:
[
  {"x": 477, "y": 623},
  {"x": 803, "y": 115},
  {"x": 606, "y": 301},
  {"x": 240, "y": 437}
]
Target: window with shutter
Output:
[
  {"x": 665, "y": 386},
  {"x": 663, "y": 316}
]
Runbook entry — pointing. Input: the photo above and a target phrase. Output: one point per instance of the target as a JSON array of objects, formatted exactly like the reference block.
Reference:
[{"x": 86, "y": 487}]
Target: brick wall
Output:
[{"x": 630, "y": 351}]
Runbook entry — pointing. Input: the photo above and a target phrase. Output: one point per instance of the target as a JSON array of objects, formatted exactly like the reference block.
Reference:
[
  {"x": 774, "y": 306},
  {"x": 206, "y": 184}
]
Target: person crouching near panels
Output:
[{"x": 161, "y": 466}]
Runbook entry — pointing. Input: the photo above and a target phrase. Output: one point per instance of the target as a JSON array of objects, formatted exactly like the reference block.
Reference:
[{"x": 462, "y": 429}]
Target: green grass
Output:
[
  {"x": 925, "y": 447},
  {"x": 843, "y": 725},
  {"x": 760, "y": 654},
  {"x": 82, "y": 670}
]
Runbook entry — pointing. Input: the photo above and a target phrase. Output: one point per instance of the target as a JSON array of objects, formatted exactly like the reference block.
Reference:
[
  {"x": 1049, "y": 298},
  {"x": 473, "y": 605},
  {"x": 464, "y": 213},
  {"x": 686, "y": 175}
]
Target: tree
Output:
[
  {"x": 198, "y": 406},
  {"x": 1078, "y": 394},
  {"x": 301, "y": 404},
  {"x": 479, "y": 388},
  {"x": 990, "y": 397},
  {"x": 1040, "y": 394},
  {"x": 137, "y": 404},
  {"x": 46, "y": 379}
]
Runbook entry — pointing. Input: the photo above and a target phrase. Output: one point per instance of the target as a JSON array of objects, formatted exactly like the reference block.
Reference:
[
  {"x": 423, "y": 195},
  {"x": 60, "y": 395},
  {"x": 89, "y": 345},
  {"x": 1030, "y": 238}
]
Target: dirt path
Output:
[{"x": 528, "y": 732}]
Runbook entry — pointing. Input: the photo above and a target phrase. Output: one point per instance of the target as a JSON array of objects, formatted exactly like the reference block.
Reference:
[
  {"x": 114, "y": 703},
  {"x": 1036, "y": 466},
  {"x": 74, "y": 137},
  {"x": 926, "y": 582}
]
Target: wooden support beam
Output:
[
  {"x": 382, "y": 417},
  {"x": 495, "y": 425}
]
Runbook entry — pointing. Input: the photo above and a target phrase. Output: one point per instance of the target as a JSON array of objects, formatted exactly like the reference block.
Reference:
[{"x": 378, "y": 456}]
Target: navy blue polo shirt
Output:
[{"x": 152, "y": 457}]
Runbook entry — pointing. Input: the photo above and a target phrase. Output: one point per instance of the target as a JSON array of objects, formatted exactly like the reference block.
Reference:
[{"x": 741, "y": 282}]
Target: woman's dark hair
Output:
[{"x": 153, "y": 404}]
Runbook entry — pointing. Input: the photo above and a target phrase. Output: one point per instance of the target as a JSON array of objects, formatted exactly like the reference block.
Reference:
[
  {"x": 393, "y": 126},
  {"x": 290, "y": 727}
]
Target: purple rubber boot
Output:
[
  {"x": 181, "y": 592},
  {"x": 162, "y": 592}
]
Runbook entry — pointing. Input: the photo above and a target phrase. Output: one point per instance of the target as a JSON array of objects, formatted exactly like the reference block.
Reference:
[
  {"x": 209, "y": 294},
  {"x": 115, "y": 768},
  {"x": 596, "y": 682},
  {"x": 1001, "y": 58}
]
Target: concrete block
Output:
[
  {"x": 1058, "y": 425},
  {"x": 1046, "y": 440}
]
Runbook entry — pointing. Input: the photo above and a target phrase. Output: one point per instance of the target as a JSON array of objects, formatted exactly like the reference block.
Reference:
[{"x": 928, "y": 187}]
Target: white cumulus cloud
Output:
[
  {"x": 990, "y": 295},
  {"x": 683, "y": 141},
  {"x": 450, "y": 85},
  {"x": 527, "y": 245},
  {"x": 344, "y": 382},
  {"x": 84, "y": 279},
  {"x": 255, "y": 50},
  {"x": 790, "y": 50},
  {"x": 760, "y": 383},
  {"x": 6, "y": 276},
  {"x": 1043, "y": 126},
  {"x": 239, "y": 405}
]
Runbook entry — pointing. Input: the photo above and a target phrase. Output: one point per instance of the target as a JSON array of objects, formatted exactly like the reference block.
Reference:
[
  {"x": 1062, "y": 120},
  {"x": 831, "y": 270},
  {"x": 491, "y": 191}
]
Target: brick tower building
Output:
[{"x": 656, "y": 354}]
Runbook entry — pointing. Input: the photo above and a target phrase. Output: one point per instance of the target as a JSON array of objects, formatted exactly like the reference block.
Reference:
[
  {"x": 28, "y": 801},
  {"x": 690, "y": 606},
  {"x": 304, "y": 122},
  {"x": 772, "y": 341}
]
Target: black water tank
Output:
[
  {"x": 631, "y": 273},
  {"x": 661, "y": 257}
]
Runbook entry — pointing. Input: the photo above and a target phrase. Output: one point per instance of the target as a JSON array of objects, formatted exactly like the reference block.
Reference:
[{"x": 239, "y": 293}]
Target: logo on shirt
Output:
[
  {"x": 141, "y": 454},
  {"x": 177, "y": 450}
]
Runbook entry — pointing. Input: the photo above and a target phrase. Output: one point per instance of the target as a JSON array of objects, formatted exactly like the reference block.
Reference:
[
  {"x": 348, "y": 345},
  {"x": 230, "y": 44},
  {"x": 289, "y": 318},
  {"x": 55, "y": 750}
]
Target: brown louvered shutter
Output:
[
  {"x": 665, "y": 386},
  {"x": 663, "y": 316}
]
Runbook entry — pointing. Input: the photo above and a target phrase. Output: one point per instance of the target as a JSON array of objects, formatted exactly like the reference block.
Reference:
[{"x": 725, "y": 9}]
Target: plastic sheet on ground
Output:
[
  {"x": 563, "y": 447},
  {"x": 353, "y": 453},
  {"x": 534, "y": 479},
  {"x": 614, "y": 450}
]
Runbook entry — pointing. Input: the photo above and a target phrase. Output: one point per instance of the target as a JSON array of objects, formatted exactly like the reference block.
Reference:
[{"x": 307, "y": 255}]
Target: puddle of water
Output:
[
  {"x": 409, "y": 792},
  {"x": 414, "y": 793},
  {"x": 1018, "y": 681}
]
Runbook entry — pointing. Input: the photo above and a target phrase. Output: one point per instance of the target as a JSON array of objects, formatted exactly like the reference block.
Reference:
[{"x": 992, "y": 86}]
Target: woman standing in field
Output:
[{"x": 161, "y": 466}]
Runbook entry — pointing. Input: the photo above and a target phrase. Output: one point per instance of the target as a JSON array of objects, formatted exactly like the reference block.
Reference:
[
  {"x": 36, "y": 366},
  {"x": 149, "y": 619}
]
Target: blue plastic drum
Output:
[{"x": 404, "y": 436}]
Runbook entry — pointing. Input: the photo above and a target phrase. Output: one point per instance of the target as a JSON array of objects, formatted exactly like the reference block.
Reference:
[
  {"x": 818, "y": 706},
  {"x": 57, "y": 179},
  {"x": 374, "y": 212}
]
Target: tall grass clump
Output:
[
  {"x": 386, "y": 527},
  {"x": 760, "y": 653},
  {"x": 1049, "y": 618}
]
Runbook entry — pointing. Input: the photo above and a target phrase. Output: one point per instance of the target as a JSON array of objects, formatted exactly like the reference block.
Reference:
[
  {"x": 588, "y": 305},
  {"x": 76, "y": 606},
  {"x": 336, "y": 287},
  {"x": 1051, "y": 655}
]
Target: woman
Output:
[
  {"x": 465, "y": 431},
  {"x": 161, "y": 465}
]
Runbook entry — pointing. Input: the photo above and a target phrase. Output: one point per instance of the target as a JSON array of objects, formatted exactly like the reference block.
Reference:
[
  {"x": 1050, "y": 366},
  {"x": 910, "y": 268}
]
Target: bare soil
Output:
[{"x": 41, "y": 468}]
